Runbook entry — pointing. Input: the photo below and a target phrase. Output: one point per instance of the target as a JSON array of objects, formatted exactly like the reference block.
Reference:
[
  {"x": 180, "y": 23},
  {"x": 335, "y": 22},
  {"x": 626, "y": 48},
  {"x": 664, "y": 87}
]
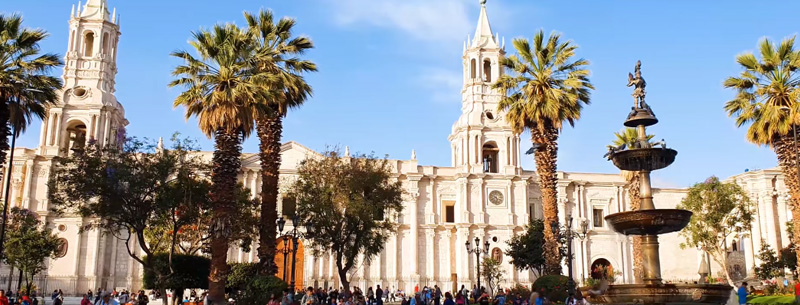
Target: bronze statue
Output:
[{"x": 638, "y": 83}]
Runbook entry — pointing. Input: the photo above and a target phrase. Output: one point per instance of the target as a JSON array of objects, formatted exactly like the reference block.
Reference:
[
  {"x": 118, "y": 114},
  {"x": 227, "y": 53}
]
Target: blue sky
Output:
[{"x": 390, "y": 75}]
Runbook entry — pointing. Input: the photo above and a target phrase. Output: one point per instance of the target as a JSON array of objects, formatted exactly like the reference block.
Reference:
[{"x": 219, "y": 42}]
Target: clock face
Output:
[{"x": 496, "y": 197}]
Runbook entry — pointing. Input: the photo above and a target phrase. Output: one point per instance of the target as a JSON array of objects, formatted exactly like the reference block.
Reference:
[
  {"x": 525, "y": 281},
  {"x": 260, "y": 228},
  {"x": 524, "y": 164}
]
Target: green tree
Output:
[
  {"x": 28, "y": 244},
  {"x": 770, "y": 266},
  {"x": 492, "y": 271},
  {"x": 526, "y": 250},
  {"x": 630, "y": 137},
  {"x": 544, "y": 88},
  {"x": 768, "y": 100},
  {"x": 127, "y": 191},
  {"x": 353, "y": 204},
  {"x": 249, "y": 285},
  {"x": 276, "y": 54},
  {"x": 721, "y": 210},
  {"x": 26, "y": 86},
  {"x": 226, "y": 94},
  {"x": 187, "y": 271}
]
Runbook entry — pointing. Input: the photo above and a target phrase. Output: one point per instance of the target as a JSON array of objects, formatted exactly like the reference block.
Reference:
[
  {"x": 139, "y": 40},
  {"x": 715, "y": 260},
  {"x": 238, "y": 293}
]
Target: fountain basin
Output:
[
  {"x": 649, "y": 222},
  {"x": 643, "y": 159},
  {"x": 662, "y": 294}
]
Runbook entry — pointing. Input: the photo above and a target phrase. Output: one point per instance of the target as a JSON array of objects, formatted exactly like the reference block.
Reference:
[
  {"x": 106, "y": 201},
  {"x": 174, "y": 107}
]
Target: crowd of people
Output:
[
  {"x": 425, "y": 296},
  {"x": 114, "y": 297}
]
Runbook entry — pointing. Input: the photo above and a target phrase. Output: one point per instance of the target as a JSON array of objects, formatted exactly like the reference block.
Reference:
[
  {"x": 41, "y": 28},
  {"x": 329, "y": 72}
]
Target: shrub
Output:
[
  {"x": 247, "y": 286},
  {"x": 523, "y": 291},
  {"x": 553, "y": 287},
  {"x": 191, "y": 271}
]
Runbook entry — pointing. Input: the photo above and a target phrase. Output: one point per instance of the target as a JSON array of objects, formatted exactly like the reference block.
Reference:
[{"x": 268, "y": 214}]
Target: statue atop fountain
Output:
[{"x": 648, "y": 222}]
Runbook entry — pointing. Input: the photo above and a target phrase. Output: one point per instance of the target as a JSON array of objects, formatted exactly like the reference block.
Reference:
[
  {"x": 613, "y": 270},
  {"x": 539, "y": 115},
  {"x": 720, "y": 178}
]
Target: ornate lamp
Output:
[
  {"x": 486, "y": 247},
  {"x": 469, "y": 249},
  {"x": 281, "y": 223}
]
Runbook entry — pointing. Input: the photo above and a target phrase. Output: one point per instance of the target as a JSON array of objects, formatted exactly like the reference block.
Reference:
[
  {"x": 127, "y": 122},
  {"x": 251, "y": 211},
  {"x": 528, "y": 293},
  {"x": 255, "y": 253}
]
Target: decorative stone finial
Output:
[
  {"x": 347, "y": 151},
  {"x": 483, "y": 2},
  {"x": 414, "y": 152},
  {"x": 160, "y": 145}
]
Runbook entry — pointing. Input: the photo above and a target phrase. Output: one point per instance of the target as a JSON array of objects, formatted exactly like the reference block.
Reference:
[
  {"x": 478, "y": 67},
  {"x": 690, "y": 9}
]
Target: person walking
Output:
[
  {"x": 86, "y": 299},
  {"x": 742, "y": 293},
  {"x": 108, "y": 300},
  {"x": 370, "y": 296},
  {"x": 379, "y": 295},
  {"x": 797, "y": 292},
  {"x": 3, "y": 298},
  {"x": 448, "y": 299},
  {"x": 309, "y": 298},
  {"x": 437, "y": 295}
]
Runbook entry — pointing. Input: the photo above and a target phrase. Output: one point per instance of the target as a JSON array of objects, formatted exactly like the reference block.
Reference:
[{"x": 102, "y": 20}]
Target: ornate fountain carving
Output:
[{"x": 649, "y": 222}]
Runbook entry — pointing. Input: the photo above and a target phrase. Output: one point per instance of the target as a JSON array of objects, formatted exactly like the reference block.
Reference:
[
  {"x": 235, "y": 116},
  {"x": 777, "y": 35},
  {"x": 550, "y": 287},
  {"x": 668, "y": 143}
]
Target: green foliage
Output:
[
  {"x": 523, "y": 291},
  {"x": 28, "y": 243},
  {"x": 353, "y": 204},
  {"x": 492, "y": 272},
  {"x": 770, "y": 266},
  {"x": 553, "y": 287},
  {"x": 252, "y": 287},
  {"x": 526, "y": 250},
  {"x": 190, "y": 271},
  {"x": 788, "y": 258},
  {"x": 628, "y": 136},
  {"x": 720, "y": 211}
]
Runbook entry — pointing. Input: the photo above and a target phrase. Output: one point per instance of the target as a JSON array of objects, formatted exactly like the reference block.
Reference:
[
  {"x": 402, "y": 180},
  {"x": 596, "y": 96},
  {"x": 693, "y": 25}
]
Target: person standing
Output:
[
  {"x": 797, "y": 292},
  {"x": 742, "y": 293},
  {"x": 309, "y": 298},
  {"x": 3, "y": 298},
  {"x": 98, "y": 295},
  {"x": 437, "y": 295},
  {"x": 448, "y": 299},
  {"x": 379, "y": 295},
  {"x": 85, "y": 300}
]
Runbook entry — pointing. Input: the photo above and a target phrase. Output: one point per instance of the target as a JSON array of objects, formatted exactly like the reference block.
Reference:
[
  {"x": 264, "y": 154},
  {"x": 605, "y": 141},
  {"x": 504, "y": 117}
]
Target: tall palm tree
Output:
[
  {"x": 224, "y": 92},
  {"x": 26, "y": 88},
  {"x": 276, "y": 54},
  {"x": 629, "y": 137},
  {"x": 544, "y": 87},
  {"x": 768, "y": 99}
]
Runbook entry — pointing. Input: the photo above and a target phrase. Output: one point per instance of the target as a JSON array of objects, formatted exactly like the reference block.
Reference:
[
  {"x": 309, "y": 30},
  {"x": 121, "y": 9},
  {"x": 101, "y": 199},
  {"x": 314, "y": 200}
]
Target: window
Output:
[
  {"x": 288, "y": 206},
  {"x": 490, "y": 158},
  {"x": 487, "y": 71},
  {"x": 449, "y": 211},
  {"x": 88, "y": 44},
  {"x": 598, "y": 218},
  {"x": 105, "y": 43},
  {"x": 379, "y": 215},
  {"x": 472, "y": 68}
]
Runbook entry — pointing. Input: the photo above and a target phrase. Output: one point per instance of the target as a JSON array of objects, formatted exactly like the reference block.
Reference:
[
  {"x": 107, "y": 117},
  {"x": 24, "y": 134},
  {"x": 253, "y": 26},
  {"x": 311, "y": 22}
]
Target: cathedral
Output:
[{"x": 483, "y": 194}]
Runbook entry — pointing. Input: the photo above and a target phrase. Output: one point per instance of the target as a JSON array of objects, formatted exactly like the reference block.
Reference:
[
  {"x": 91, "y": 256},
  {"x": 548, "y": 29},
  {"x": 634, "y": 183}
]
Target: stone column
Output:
[
  {"x": 430, "y": 248},
  {"x": 414, "y": 222},
  {"x": 462, "y": 257},
  {"x": 769, "y": 224},
  {"x": 782, "y": 213},
  {"x": 49, "y": 126},
  {"x": 57, "y": 129},
  {"x": 445, "y": 255},
  {"x": 43, "y": 131}
]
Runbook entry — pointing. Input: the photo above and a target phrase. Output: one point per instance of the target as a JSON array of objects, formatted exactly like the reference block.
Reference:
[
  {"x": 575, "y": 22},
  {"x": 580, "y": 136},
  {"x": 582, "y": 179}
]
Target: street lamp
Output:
[
  {"x": 477, "y": 250},
  {"x": 286, "y": 247},
  {"x": 581, "y": 234},
  {"x": 294, "y": 235}
]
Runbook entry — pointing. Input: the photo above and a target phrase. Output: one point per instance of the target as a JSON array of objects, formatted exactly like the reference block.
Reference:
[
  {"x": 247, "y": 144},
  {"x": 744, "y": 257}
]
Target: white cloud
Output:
[
  {"x": 445, "y": 85},
  {"x": 430, "y": 20}
]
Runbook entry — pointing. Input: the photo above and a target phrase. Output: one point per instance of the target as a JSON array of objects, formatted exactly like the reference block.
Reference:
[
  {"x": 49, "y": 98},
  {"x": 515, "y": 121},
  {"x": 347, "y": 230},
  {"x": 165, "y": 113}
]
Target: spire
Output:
[
  {"x": 72, "y": 12},
  {"x": 483, "y": 34},
  {"x": 95, "y": 9},
  {"x": 160, "y": 145},
  {"x": 413, "y": 154},
  {"x": 347, "y": 151}
]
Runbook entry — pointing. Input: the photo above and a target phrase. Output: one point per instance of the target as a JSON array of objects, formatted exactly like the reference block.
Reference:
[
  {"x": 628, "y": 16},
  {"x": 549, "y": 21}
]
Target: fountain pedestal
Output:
[{"x": 649, "y": 222}]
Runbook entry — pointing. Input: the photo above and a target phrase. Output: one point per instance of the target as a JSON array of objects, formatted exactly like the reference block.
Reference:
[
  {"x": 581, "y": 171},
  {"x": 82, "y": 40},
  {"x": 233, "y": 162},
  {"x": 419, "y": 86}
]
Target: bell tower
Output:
[
  {"x": 88, "y": 112},
  {"x": 481, "y": 140}
]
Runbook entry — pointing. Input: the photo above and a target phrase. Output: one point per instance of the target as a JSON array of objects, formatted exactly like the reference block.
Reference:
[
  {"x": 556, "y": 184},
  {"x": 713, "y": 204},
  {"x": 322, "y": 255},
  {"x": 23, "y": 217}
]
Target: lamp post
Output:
[
  {"x": 294, "y": 235},
  {"x": 477, "y": 250},
  {"x": 286, "y": 248},
  {"x": 581, "y": 234}
]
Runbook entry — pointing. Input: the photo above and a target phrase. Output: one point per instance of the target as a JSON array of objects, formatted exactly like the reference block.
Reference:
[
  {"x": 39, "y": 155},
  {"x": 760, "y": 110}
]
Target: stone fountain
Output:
[{"x": 648, "y": 222}]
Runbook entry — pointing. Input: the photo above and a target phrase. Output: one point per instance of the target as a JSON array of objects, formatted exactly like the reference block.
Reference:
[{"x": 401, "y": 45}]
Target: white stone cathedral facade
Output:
[{"x": 483, "y": 193}]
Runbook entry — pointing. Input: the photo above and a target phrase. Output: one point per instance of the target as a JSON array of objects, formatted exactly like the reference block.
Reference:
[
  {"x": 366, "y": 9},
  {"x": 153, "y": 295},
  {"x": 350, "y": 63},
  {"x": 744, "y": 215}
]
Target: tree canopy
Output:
[
  {"x": 526, "y": 250},
  {"x": 29, "y": 243},
  {"x": 720, "y": 210},
  {"x": 353, "y": 204}
]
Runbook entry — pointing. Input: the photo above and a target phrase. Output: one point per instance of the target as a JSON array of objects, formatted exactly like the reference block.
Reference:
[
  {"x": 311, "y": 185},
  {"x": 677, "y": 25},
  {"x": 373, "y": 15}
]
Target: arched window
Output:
[
  {"x": 105, "y": 43},
  {"x": 76, "y": 132},
  {"x": 487, "y": 70},
  {"x": 734, "y": 246},
  {"x": 472, "y": 68},
  {"x": 88, "y": 44},
  {"x": 490, "y": 158}
]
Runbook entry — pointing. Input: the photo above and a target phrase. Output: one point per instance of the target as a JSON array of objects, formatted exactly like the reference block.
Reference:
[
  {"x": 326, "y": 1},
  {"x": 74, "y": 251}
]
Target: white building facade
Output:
[{"x": 484, "y": 193}]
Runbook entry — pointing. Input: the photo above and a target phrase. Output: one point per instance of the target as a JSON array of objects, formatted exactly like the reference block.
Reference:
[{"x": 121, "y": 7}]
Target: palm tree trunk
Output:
[
  {"x": 226, "y": 166},
  {"x": 788, "y": 160},
  {"x": 638, "y": 260},
  {"x": 545, "y": 158},
  {"x": 269, "y": 130}
]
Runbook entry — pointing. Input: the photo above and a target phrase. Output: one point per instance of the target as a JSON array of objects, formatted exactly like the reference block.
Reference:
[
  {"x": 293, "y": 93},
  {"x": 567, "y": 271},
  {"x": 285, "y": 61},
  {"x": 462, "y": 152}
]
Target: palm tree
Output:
[
  {"x": 26, "y": 88},
  {"x": 768, "y": 99},
  {"x": 224, "y": 92},
  {"x": 276, "y": 52},
  {"x": 630, "y": 137},
  {"x": 543, "y": 89}
]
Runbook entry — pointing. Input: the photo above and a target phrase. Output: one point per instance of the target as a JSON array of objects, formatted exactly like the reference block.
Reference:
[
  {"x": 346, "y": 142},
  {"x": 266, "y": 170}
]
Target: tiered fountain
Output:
[{"x": 649, "y": 222}]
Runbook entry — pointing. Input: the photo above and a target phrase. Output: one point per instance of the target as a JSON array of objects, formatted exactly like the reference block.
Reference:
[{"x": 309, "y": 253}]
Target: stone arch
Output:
[
  {"x": 88, "y": 43},
  {"x": 600, "y": 266},
  {"x": 282, "y": 259},
  {"x": 490, "y": 154},
  {"x": 487, "y": 70},
  {"x": 76, "y": 135}
]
